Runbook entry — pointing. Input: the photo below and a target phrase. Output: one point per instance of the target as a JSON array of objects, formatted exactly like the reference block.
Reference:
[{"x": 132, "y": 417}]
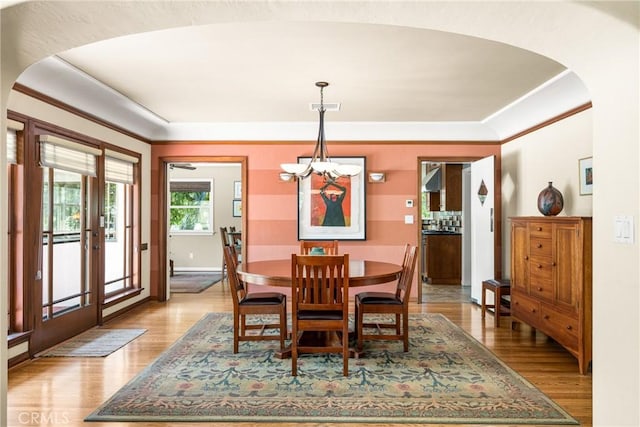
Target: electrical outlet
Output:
[{"x": 408, "y": 203}]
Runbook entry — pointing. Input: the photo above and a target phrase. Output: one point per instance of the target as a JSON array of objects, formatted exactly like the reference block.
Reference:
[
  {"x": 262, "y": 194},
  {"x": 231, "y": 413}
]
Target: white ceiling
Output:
[{"x": 254, "y": 80}]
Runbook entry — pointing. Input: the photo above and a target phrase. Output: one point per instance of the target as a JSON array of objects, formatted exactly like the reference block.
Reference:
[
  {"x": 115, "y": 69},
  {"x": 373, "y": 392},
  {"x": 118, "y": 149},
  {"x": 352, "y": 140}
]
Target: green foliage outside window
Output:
[
  {"x": 191, "y": 211},
  {"x": 64, "y": 191},
  {"x": 111, "y": 210}
]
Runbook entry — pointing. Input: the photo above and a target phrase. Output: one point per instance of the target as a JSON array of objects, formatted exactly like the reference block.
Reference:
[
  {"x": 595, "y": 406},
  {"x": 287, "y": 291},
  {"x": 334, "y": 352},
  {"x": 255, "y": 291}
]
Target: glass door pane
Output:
[
  {"x": 118, "y": 237},
  {"x": 66, "y": 238}
]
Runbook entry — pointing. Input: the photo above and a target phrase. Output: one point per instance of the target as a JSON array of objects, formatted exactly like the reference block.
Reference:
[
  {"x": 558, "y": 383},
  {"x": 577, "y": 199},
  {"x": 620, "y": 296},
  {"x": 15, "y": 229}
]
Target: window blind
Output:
[
  {"x": 119, "y": 167},
  {"x": 67, "y": 155},
  {"x": 12, "y": 146},
  {"x": 13, "y": 127},
  {"x": 190, "y": 186}
]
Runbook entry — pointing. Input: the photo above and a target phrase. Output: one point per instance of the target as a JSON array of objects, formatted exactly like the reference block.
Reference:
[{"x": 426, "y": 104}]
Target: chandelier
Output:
[{"x": 321, "y": 163}]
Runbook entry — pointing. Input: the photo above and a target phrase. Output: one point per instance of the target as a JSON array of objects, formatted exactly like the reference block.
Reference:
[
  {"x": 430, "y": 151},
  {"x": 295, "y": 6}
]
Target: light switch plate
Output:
[
  {"x": 408, "y": 219},
  {"x": 623, "y": 229},
  {"x": 408, "y": 203}
]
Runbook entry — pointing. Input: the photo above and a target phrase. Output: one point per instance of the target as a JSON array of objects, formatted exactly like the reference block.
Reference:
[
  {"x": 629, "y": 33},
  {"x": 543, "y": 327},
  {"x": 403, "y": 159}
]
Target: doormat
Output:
[
  {"x": 193, "y": 283},
  {"x": 97, "y": 342},
  {"x": 445, "y": 377}
]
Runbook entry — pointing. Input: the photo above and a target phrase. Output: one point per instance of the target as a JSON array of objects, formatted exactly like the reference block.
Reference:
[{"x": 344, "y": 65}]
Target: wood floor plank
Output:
[{"x": 63, "y": 391}]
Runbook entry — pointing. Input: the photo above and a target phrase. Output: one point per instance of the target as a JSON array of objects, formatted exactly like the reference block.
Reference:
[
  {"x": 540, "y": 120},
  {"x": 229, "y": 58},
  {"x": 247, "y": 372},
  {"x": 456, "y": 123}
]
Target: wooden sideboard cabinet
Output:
[{"x": 551, "y": 280}]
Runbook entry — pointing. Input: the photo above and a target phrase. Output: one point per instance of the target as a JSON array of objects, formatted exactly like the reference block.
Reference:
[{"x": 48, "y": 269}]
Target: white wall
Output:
[{"x": 530, "y": 162}]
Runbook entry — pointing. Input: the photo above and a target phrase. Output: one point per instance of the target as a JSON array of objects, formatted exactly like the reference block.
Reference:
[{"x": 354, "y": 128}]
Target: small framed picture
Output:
[
  {"x": 237, "y": 189},
  {"x": 237, "y": 208},
  {"x": 586, "y": 176}
]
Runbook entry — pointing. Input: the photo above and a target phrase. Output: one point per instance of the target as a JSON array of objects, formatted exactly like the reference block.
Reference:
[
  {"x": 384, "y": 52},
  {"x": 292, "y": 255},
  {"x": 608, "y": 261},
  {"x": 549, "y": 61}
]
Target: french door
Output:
[{"x": 67, "y": 278}]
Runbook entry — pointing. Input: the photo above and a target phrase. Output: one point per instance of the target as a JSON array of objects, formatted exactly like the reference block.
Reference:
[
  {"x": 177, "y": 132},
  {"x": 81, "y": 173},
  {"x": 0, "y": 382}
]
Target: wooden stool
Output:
[{"x": 501, "y": 306}]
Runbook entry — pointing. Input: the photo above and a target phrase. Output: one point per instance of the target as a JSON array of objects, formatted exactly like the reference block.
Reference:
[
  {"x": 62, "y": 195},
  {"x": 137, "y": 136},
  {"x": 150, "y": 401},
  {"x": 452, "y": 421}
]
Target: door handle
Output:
[{"x": 491, "y": 220}]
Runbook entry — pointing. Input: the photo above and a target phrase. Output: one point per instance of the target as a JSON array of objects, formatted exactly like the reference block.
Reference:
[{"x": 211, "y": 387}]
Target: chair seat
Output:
[
  {"x": 378, "y": 298},
  {"x": 319, "y": 315},
  {"x": 263, "y": 298}
]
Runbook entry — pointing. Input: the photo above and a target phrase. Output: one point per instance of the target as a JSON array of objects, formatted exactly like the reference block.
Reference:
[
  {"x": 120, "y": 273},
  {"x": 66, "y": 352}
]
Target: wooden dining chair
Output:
[
  {"x": 330, "y": 246},
  {"x": 224, "y": 239},
  {"x": 234, "y": 238},
  {"x": 320, "y": 307},
  {"x": 253, "y": 303},
  {"x": 396, "y": 303}
]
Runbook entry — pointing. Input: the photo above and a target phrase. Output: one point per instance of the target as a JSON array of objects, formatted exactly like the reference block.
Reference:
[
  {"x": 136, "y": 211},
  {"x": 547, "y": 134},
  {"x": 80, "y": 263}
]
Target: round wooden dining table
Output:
[{"x": 278, "y": 272}]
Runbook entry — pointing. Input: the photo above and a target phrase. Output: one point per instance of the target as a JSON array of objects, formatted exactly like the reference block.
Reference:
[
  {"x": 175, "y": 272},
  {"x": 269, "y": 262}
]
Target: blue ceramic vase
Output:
[{"x": 550, "y": 201}]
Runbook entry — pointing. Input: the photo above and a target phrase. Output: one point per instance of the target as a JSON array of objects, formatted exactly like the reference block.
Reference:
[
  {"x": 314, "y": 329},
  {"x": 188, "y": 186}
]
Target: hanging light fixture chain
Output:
[{"x": 320, "y": 161}]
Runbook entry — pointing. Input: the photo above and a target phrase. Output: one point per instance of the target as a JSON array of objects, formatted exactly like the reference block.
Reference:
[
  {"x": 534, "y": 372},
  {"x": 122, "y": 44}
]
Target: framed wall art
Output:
[
  {"x": 237, "y": 189},
  {"x": 237, "y": 208},
  {"x": 585, "y": 168},
  {"x": 330, "y": 209}
]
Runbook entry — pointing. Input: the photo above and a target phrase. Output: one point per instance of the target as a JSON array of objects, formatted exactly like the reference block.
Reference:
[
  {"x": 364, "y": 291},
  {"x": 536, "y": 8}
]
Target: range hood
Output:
[{"x": 431, "y": 181}]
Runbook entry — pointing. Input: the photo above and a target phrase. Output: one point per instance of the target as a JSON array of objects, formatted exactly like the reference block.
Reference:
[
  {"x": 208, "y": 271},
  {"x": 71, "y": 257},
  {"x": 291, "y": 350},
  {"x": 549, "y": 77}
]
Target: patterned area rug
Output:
[
  {"x": 193, "y": 283},
  {"x": 446, "y": 294},
  {"x": 446, "y": 377},
  {"x": 94, "y": 343}
]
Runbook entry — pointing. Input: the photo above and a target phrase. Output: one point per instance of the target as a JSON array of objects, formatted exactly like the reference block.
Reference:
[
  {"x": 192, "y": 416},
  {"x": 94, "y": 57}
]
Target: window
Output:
[
  {"x": 119, "y": 202},
  {"x": 111, "y": 198},
  {"x": 191, "y": 206},
  {"x": 15, "y": 132},
  {"x": 66, "y": 208},
  {"x": 65, "y": 211}
]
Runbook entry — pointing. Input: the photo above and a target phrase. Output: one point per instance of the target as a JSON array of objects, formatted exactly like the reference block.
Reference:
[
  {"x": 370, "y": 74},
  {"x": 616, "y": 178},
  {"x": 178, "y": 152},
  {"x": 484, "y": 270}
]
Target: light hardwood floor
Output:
[{"x": 63, "y": 391}]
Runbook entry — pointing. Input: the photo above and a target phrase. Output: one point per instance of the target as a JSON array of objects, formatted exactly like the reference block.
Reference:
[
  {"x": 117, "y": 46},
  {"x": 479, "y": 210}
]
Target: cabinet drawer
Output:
[
  {"x": 541, "y": 278},
  {"x": 540, "y": 269},
  {"x": 540, "y": 229},
  {"x": 525, "y": 309},
  {"x": 562, "y": 327},
  {"x": 542, "y": 289},
  {"x": 540, "y": 247}
]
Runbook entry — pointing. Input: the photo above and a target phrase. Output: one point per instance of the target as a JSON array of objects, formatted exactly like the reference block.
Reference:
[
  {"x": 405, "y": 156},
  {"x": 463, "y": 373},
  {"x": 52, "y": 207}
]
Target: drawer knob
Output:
[
  {"x": 539, "y": 228},
  {"x": 539, "y": 266},
  {"x": 546, "y": 317},
  {"x": 539, "y": 245},
  {"x": 539, "y": 289},
  {"x": 533, "y": 310},
  {"x": 526, "y": 257},
  {"x": 569, "y": 327}
]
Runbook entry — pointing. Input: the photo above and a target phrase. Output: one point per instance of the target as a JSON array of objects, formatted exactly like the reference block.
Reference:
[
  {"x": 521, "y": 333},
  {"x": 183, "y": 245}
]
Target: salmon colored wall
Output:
[{"x": 271, "y": 204}]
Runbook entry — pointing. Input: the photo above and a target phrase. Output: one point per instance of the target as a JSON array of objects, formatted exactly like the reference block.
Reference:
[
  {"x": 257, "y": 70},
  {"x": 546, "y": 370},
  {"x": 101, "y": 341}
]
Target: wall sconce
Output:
[
  {"x": 287, "y": 177},
  {"x": 376, "y": 177}
]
